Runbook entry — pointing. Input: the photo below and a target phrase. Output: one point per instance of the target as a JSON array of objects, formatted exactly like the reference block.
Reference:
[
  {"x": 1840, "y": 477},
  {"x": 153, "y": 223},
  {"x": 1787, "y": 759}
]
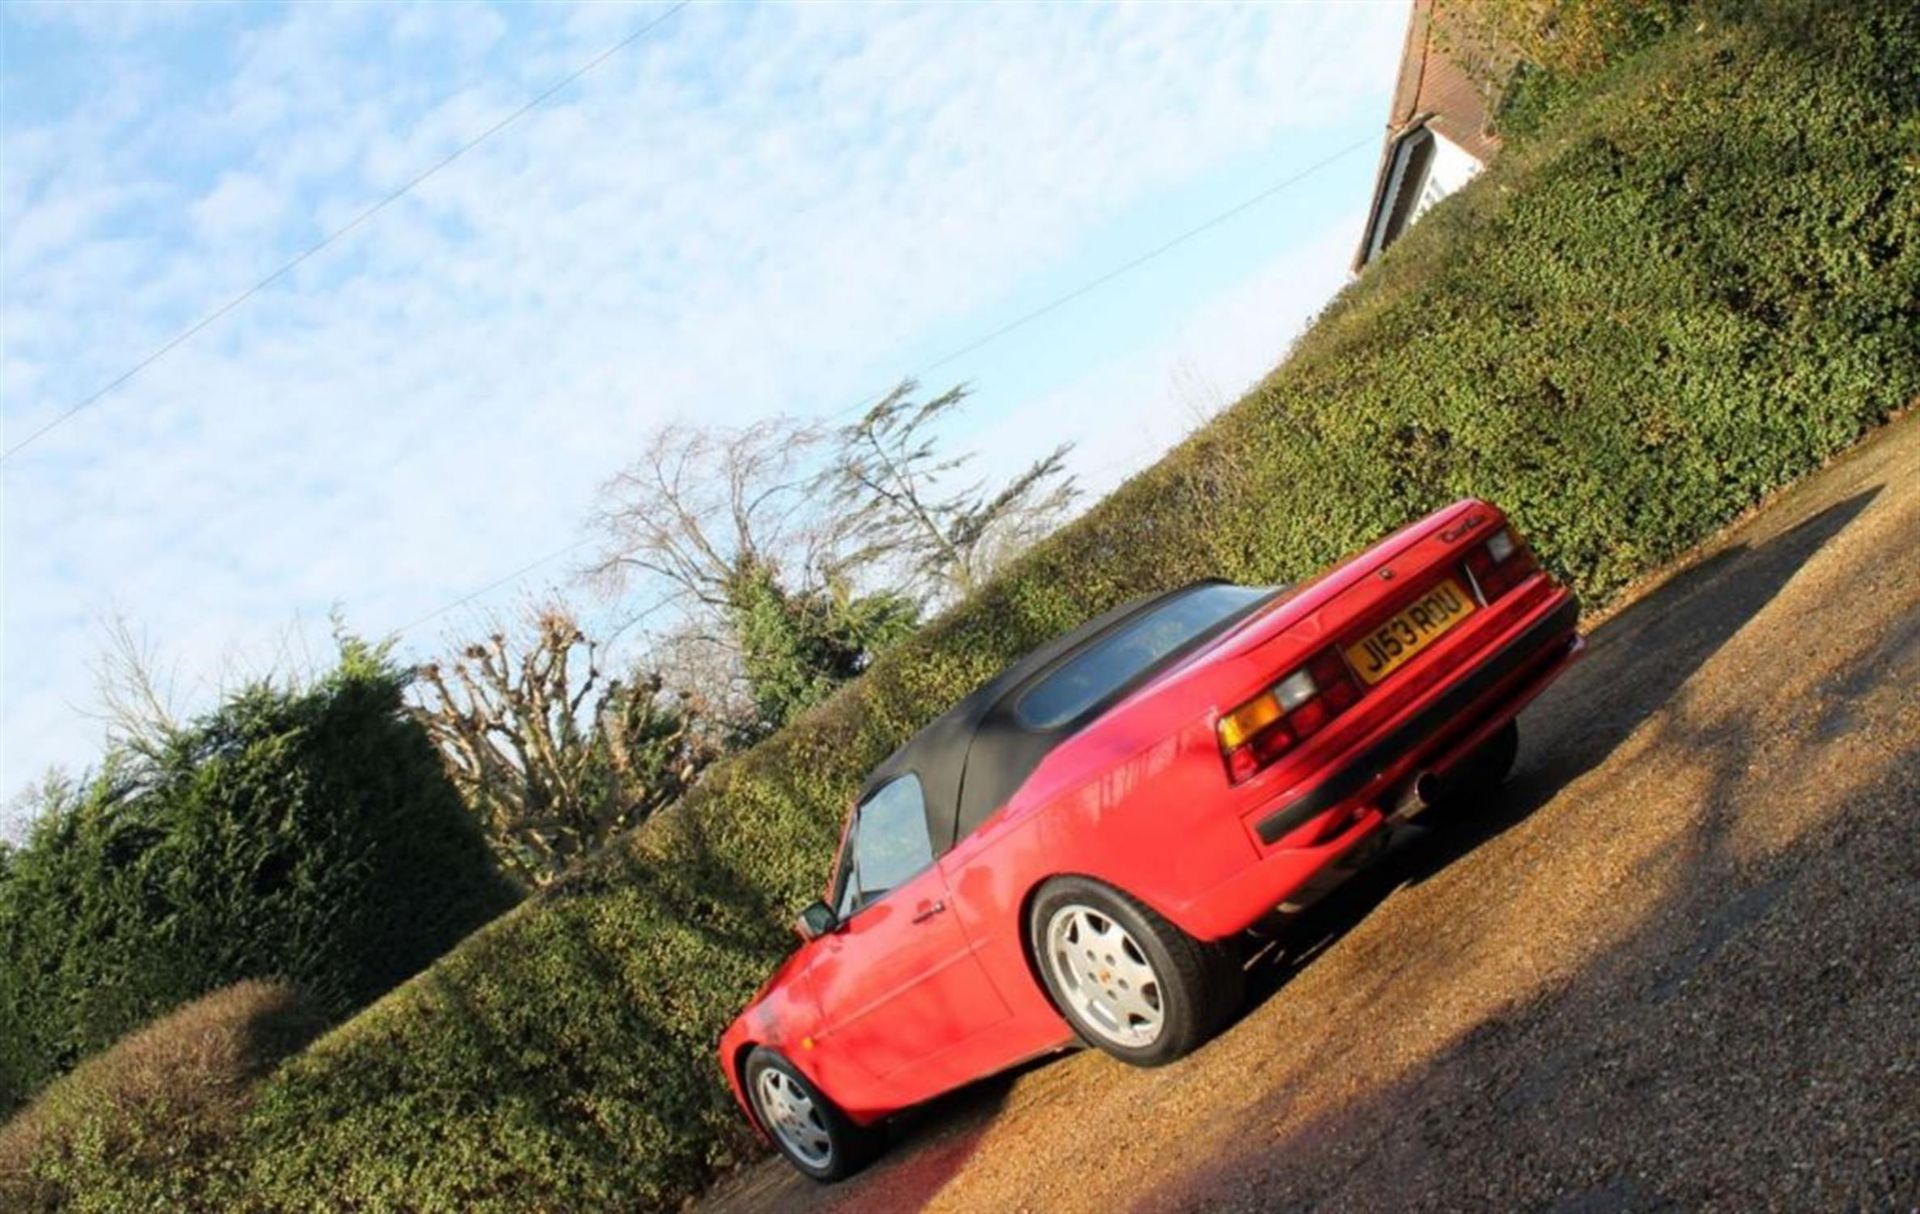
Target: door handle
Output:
[{"x": 928, "y": 911}]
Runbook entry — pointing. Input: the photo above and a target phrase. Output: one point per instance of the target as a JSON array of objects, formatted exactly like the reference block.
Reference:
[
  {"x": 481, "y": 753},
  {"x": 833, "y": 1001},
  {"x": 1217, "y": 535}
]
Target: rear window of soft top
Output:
[{"x": 1105, "y": 667}]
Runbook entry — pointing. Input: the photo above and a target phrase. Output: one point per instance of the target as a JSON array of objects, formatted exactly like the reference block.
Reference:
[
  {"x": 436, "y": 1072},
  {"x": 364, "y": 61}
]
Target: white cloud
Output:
[
  {"x": 756, "y": 210},
  {"x": 113, "y": 20},
  {"x": 242, "y": 204}
]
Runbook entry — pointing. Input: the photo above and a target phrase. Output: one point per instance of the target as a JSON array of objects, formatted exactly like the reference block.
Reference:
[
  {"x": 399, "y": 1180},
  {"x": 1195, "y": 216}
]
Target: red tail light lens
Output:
[
  {"x": 1285, "y": 714},
  {"x": 1500, "y": 564},
  {"x": 1335, "y": 681}
]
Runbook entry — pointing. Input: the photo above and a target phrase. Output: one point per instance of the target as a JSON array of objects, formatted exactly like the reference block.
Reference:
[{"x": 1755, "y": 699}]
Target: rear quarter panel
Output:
[{"x": 1107, "y": 806}]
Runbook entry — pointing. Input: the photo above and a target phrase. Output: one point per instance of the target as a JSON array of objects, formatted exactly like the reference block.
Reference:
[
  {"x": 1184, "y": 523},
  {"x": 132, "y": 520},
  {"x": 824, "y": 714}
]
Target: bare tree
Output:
[
  {"x": 892, "y": 481},
  {"x": 703, "y": 664},
  {"x": 1195, "y": 392},
  {"x": 551, "y": 754},
  {"x": 738, "y": 528},
  {"x": 137, "y": 698},
  {"x": 703, "y": 506}
]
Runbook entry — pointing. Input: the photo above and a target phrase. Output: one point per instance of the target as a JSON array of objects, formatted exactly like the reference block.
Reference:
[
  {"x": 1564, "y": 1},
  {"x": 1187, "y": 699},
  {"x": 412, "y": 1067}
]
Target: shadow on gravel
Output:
[{"x": 1635, "y": 662}]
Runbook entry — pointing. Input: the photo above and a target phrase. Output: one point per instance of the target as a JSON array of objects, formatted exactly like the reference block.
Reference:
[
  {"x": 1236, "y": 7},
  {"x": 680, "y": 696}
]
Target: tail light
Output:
[
  {"x": 1286, "y": 714},
  {"x": 1500, "y": 564}
]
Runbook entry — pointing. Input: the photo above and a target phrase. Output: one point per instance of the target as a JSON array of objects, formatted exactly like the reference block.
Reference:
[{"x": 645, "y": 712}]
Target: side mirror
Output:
[{"x": 815, "y": 921}]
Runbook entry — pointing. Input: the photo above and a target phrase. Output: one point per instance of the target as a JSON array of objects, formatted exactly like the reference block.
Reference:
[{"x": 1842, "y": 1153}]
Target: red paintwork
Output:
[{"x": 887, "y": 1012}]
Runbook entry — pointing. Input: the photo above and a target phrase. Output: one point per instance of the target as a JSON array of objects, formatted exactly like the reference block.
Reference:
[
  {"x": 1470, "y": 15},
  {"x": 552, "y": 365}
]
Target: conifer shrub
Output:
[{"x": 302, "y": 833}]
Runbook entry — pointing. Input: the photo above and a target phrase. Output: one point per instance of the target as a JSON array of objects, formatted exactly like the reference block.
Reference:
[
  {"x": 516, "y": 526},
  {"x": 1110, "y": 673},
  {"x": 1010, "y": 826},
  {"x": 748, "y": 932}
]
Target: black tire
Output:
[
  {"x": 848, "y": 1147},
  {"x": 1198, "y": 985},
  {"x": 1479, "y": 774}
]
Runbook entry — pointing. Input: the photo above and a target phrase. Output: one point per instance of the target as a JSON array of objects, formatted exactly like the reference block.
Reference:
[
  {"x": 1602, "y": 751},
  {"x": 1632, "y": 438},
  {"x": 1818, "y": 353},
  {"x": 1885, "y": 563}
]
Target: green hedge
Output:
[
  {"x": 308, "y": 835},
  {"x": 110, "y": 1133},
  {"x": 1689, "y": 290}
]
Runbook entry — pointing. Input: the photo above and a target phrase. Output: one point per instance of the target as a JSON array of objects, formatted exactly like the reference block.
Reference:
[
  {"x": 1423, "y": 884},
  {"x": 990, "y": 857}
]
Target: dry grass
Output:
[{"x": 171, "y": 1089}]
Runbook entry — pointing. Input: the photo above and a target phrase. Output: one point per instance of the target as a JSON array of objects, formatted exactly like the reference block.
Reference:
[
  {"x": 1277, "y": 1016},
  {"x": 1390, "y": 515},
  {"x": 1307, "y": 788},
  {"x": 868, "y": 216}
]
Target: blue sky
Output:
[{"x": 755, "y": 210}]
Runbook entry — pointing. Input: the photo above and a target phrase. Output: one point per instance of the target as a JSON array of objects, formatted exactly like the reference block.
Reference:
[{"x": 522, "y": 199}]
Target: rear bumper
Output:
[
  {"x": 1551, "y": 635},
  {"x": 1350, "y": 796}
]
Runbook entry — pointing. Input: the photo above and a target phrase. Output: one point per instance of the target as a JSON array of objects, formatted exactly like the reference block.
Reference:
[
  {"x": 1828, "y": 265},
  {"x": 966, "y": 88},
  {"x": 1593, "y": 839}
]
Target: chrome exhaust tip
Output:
[{"x": 1419, "y": 795}]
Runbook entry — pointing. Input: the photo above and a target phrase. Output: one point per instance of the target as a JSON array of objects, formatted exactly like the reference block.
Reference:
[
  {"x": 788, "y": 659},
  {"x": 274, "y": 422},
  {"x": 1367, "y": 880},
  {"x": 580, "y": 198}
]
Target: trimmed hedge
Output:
[
  {"x": 111, "y": 1135},
  {"x": 1689, "y": 290},
  {"x": 309, "y": 835}
]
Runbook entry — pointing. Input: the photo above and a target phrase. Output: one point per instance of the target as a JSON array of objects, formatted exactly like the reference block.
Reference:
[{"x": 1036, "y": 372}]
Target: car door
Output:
[{"x": 897, "y": 982}]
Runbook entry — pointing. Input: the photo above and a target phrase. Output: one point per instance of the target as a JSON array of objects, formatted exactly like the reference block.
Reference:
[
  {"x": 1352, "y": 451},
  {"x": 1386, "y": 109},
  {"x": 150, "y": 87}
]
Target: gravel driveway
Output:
[{"x": 1676, "y": 965}]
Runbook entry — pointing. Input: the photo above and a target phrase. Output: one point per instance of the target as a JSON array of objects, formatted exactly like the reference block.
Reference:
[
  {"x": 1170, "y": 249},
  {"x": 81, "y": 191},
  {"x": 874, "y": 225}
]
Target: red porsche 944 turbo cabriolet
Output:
[{"x": 1071, "y": 851}]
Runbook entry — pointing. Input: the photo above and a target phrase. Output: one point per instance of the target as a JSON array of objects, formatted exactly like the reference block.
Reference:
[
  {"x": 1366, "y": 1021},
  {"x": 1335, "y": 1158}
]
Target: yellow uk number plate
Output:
[{"x": 1394, "y": 643}]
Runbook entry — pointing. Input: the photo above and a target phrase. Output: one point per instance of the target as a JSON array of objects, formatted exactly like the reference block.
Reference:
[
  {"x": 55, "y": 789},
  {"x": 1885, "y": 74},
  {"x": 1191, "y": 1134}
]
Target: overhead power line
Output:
[
  {"x": 1018, "y": 322},
  {"x": 293, "y": 263}
]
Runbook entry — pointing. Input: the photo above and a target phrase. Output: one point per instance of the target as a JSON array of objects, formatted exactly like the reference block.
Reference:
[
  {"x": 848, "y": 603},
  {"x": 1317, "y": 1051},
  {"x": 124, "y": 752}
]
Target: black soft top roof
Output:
[{"x": 974, "y": 756}]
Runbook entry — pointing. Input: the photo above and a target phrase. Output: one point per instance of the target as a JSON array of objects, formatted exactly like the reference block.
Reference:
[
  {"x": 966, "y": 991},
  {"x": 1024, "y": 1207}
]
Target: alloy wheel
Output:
[
  {"x": 792, "y": 1115},
  {"x": 1105, "y": 975}
]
